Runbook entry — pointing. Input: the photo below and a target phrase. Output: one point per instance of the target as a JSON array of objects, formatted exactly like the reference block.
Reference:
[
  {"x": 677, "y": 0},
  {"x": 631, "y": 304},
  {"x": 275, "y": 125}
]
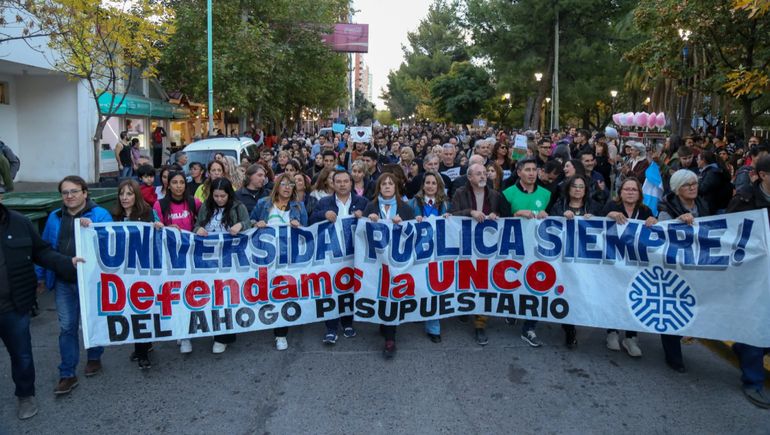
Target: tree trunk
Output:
[
  {"x": 98, "y": 147},
  {"x": 748, "y": 116},
  {"x": 543, "y": 86},
  {"x": 586, "y": 118}
]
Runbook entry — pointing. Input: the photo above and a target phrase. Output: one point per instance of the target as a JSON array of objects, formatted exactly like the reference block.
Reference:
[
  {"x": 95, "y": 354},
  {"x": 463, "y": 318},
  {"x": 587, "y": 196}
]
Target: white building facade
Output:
[{"x": 47, "y": 119}]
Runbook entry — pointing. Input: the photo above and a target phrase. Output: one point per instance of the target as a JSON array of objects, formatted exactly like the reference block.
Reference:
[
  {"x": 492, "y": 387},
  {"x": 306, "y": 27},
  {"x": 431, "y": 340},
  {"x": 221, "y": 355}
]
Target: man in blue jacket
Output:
[
  {"x": 343, "y": 203},
  {"x": 60, "y": 233}
]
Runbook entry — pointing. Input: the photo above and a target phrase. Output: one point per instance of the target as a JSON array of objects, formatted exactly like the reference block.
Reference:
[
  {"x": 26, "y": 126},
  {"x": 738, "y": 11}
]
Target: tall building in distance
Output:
[{"x": 362, "y": 77}]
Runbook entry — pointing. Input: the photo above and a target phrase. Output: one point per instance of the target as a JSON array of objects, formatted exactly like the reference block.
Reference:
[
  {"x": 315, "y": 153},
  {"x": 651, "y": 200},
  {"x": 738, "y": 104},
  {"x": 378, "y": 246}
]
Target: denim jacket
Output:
[{"x": 262, "y": 209}]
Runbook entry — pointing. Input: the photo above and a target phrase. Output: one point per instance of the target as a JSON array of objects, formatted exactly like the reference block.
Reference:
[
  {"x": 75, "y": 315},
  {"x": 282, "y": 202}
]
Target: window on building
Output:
[{"x": 4, "y": 97}]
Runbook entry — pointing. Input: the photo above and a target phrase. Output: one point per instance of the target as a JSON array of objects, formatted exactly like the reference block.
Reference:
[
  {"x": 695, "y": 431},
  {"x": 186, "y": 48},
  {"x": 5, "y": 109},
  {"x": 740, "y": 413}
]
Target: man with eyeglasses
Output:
[
  {"x": 479, "y": 201},
  {"x": 60, "y": 233},
  {"x": 343, "y": 203},
  {"x": 543, "y": 152}
]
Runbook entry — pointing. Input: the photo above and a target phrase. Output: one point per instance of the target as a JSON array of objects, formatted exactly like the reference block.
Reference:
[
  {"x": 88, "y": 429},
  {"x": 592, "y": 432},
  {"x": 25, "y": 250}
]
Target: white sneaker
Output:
[
  {"x": 281, "y": 343},
  {"x": 613, "y": 342},
  {"x": 218, "y": 347},
  {"x": 185, "y": 346},
  {"x": 630, "y": 345}
]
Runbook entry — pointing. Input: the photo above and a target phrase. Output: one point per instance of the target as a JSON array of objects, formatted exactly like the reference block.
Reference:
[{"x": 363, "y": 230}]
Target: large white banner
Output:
[
  {"x": 140, "y": 284},
  {"x": 708, "y": 280}
]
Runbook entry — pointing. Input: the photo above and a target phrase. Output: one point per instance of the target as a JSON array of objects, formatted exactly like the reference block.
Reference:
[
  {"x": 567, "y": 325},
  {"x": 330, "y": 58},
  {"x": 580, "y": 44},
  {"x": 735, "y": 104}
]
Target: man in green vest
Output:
[{"x": 528, "y": 201}]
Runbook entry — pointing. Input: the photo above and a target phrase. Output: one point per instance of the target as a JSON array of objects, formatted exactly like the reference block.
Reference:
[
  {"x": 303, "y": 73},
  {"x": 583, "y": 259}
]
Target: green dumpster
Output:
[{"x": 37, "y": 205}]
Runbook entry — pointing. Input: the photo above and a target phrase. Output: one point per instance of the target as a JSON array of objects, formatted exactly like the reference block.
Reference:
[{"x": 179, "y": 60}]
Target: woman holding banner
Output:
[
  {"x": 683, "y": 204},
  {"x": 628, "y": 206},
  {"x": 222, "y": 213},
  {"x": 280, "y": 208},
  {"x": 388, "y": 205},
  {"x": 131, "y": 207},
  {"x": 573, "y": 202},
  {"x": 431, "y": 200}
]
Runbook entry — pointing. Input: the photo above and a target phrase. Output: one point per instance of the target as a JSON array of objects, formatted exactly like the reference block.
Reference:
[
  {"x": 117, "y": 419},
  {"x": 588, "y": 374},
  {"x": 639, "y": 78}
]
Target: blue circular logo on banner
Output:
[{"x": 661, "y": 300}]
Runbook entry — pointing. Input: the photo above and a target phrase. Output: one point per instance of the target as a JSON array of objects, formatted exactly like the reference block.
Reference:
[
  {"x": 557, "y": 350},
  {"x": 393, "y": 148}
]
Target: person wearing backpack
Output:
[{"x": 9, "y": 166}]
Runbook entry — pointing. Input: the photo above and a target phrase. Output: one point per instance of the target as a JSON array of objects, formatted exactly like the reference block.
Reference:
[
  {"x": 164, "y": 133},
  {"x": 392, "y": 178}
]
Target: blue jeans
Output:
[
  {"x": 68, "y": 310},
  {"x": 126, "y": 172},
  {"x": 14, "y": 331},
  {"x": 433, "y": 327},
  {"x": 527, "y": 326},
  {"x": 331, "y": 324},
  {"x": 752, "y": 364}
]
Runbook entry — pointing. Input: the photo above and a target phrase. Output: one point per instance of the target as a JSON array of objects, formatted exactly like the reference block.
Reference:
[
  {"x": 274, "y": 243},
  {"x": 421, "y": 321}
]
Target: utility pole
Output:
[
  {"x": 555, "y": 107},
  {"x": 210, "y": 68},
  {"x": 351, "y": 65}
]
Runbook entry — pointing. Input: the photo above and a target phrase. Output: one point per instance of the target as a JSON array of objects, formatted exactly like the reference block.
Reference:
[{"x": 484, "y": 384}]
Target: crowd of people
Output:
[{"x": 402, "y": 174}]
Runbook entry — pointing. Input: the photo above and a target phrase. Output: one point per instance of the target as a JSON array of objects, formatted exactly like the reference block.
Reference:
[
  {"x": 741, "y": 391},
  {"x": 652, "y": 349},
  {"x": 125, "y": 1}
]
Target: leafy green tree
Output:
[
  {"x": 107, "y": 45},
  {"x": 433, "y": 47},
  {"x": 400, "y": 97},
  {"x": 517, "y": 40},
  {"x": 268, "y": 56},
  {"x": 459, "y": 95},
  {"x": 364, "y": 109},
  {"x": 729, "y": 50},
  {"x": 384, "y": 117}
]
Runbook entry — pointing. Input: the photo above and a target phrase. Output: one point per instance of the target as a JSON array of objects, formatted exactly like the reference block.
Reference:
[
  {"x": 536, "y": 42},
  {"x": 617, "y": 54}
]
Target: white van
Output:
[{"x": 204, "y": 151}]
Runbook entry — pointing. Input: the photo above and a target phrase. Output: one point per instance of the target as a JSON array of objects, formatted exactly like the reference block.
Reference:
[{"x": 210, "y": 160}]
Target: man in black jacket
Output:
[
  {"x": 754, "y": 197},
  {"x": 478, "y": 201},
  {"x": 20, "y": 248}
]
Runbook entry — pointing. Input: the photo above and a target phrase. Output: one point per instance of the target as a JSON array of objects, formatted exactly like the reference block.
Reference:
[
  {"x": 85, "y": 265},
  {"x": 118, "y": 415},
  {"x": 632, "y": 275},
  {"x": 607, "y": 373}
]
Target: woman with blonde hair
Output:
[
  {"x": 233, "y": 173},
  {"x": 280, "y": 208}
]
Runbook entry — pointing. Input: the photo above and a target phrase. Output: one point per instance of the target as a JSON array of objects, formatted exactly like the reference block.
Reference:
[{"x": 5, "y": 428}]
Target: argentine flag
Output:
[{"x": 652, "y": 190}]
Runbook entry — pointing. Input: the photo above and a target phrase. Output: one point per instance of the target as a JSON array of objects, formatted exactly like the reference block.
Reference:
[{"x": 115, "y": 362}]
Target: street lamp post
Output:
[
  {"x": 685, "y": 35},
  {"x": 532, "y": 102},
  {"x": 507, "y": 100},
  {"x": 210, "y": 66},
  {"x": 613, "y": 94}
]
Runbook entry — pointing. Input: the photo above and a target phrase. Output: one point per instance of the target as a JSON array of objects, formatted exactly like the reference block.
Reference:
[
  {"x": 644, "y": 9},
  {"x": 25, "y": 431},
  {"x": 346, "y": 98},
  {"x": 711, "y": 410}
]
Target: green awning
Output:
[{"x": 140, "y": 106}]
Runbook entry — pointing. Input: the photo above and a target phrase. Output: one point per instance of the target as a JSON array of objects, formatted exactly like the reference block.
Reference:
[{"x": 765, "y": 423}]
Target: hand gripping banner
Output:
[{"x": 707, "y": 280}]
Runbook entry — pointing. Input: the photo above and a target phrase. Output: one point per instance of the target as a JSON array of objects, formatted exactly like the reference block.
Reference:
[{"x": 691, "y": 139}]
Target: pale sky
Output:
[{"x": 389, "y": 21}]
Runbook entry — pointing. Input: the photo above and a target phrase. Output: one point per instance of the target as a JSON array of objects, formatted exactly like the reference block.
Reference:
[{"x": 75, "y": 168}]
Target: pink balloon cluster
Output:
[{"x": 640, "y": 119}]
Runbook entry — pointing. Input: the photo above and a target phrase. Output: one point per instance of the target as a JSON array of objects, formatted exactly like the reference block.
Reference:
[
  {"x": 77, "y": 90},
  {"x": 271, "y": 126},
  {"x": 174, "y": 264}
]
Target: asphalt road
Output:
[{"x": 452, "y": 387}]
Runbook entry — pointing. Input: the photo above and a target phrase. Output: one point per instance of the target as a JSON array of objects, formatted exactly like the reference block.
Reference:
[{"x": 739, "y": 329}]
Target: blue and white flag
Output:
[{"x": 652, "y": 190}]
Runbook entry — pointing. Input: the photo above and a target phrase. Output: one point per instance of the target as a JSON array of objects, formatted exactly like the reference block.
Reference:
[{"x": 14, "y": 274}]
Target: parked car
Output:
[
  {"x": 203, "y": 151},
  {"x": 326, "y": 131}
]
